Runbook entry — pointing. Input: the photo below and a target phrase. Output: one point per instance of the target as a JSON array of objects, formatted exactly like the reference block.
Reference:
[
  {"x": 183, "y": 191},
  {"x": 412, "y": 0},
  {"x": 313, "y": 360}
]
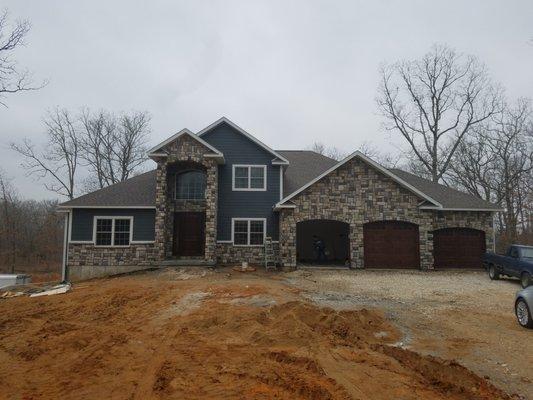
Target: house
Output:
[{"x": 217, "y": 194}]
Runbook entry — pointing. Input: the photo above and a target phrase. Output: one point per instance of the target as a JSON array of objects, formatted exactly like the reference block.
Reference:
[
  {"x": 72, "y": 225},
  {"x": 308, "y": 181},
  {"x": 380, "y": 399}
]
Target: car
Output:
[
  {"x": 523, "y": 306},
  {"x": 517, "y": 262}
]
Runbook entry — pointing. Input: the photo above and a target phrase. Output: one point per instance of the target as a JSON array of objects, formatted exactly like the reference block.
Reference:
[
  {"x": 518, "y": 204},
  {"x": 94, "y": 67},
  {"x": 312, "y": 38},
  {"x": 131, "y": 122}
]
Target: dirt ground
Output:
[{"x": 198, "y": 334}]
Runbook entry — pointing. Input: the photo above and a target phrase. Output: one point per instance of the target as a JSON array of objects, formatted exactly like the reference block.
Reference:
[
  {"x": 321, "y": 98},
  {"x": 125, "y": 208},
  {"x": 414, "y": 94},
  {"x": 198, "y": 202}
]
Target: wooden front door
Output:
[{"x": 189, "y": 234}]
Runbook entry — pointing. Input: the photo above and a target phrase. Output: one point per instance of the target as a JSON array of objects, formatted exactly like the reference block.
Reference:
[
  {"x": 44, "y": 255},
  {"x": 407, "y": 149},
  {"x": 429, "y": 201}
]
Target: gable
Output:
[
  {"x": 224, "y": 126},
  {"x": 285, "y": 202},
  {"x": 357, "y": 183},
  {"x": 171, "y": 145}
]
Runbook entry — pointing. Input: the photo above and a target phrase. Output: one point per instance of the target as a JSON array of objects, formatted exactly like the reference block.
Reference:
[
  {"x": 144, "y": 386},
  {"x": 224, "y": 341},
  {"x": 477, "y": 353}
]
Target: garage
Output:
[
  {"x": 322, "y": 242},
  {"x": 458, "y": 248},
  {"x": 391, "y": 244}
]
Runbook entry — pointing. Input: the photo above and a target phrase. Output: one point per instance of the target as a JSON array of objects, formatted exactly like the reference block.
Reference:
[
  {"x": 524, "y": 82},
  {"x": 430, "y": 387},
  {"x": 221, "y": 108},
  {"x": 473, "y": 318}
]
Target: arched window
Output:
[{"x": 190, "y": 185}]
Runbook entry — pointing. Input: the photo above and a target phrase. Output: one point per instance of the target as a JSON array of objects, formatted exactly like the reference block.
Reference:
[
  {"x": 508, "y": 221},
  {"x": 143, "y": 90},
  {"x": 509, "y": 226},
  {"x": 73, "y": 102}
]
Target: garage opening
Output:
[
  {"x": 322, "y": 242},
  {"x": 391, "y": 244},
  {"x": 458, "y": 248}
]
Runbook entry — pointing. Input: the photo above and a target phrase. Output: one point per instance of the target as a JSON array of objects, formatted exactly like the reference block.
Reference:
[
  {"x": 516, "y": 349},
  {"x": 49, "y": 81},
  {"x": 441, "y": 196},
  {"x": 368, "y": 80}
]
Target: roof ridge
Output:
[{"x": 435, "y": 183}]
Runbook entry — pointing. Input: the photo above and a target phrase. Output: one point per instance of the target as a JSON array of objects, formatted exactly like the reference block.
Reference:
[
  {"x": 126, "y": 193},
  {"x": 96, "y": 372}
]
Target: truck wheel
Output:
[
  {"x": 493, "y": 273},
  {"x": 525, "y": 280},
  {"x": 523, "y": 314}
]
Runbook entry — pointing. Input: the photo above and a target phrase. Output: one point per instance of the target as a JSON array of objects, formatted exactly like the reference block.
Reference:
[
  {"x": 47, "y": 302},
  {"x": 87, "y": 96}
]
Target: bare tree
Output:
[
  {"x": 13, "y": 79},
  {"x": 113, "y": 147},
  {"x": 386, "y": 159},
  {"x": 60, "y": 158},
  {"x": 435, "y": 102},
  {"x": 511, "y": 143},
  {"x": 331, "y": 151},
  {"x": 8, "y": 222},
  {"x": 496, "y": 164}
]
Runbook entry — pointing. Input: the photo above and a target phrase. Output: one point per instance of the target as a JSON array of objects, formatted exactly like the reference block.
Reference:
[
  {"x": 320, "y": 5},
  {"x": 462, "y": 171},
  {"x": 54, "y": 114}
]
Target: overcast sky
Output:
[{"x": 289, "y": 72}]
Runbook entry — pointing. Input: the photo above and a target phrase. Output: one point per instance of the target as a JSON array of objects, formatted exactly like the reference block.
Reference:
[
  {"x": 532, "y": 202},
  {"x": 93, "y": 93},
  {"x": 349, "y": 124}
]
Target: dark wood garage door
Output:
[
  {"x": 458, "y": 248},
  {"x": 391, "y": 244}
]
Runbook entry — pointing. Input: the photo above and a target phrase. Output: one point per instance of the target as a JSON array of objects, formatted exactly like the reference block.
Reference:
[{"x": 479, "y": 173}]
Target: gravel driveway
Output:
[{"x": 453, "y": 314}]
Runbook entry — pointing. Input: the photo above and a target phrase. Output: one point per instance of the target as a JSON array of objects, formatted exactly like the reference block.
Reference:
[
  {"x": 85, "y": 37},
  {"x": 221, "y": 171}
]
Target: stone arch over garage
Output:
[{"x": 332, "y": 236}]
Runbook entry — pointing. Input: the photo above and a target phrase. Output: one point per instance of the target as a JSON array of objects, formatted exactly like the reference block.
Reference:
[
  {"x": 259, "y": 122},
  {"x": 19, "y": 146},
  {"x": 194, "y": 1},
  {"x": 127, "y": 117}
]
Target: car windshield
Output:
[{"x": 527, "y": 252}]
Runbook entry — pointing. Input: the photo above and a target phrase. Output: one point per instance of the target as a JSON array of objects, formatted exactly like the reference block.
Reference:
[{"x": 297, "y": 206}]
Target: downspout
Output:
[
  {"x": 64, "y": 272},
  {"x": 494, "y": 232}
]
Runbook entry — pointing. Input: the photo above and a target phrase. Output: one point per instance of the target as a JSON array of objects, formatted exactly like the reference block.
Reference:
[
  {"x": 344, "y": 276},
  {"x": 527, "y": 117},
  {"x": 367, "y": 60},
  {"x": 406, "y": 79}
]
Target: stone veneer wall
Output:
[
  {"x": 227, "y": 253},
  {"x": 357, "y": 193},
  {"x": 88, "y": 261},
  {"x": 189, "y": 150}
]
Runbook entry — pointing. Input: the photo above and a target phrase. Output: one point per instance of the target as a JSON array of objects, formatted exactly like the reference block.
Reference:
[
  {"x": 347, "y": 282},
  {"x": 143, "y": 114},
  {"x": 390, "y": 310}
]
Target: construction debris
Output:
[
  {"x": 244, "y": 268},
  {"x": 58, "y": 289}
]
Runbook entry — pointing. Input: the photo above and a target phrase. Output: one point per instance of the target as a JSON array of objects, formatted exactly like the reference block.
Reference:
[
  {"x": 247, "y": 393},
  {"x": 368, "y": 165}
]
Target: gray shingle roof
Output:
[
  {"x": 138, "y": 191},
  {"x": 304, "y": 166},
  {"x": 448, "y": 197}
]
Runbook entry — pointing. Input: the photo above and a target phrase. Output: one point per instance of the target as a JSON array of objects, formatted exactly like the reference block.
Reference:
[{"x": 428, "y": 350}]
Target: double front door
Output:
[{"x": 189, "y": 234}]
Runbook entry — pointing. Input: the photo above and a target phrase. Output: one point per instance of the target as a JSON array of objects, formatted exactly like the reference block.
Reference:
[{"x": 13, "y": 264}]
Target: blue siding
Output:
[
  {"x": 238, "y": 149},
  {"x": 143, "y": 222}
]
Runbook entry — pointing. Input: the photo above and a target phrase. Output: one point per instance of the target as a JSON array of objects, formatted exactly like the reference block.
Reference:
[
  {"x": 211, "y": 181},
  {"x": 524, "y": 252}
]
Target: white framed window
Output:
[
  {"x": 249, "y": 177},
  {"x": 112, "y": 231},
  {"x": 248, "y": 231}
]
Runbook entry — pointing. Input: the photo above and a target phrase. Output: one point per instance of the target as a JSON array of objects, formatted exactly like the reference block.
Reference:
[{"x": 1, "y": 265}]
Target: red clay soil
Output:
[{"x": 211, "y": 338}]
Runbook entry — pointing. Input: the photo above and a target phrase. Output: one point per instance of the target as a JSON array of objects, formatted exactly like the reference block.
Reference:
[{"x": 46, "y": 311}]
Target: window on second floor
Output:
[
  {"x": 249, "y": 177},
  {"x": 190, "y": 185}
]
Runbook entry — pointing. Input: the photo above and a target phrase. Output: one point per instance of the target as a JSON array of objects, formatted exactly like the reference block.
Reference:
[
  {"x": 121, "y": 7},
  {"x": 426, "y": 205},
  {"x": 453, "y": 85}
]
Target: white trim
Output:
[
  {"x": 244, "y": 133},
  {"x": 248, "y": 230},
  {"x": 380, "y": 168},
  {"x": 113, "y": 218},
  {"x": 277, "y": 207},
  {"x": 224, "y": 241},
  {"x": 249, "y": 188},
  {"x": 280, "y": 182},
  {"x": 104, "y": 207},
  {"x": 460, "y": 209},
  {"x": 142, "y": 241},
  {"x": 153, "y": 151}
]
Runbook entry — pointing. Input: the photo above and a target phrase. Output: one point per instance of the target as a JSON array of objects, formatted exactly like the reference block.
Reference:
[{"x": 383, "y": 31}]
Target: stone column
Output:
[
  {"x": 356, "y": 245},
  {"x": 426, "y": 246},
  {"x": 287, "y": 238},
  {"x": 161, "y": 209},
  {"x": 211, "y": 197}
]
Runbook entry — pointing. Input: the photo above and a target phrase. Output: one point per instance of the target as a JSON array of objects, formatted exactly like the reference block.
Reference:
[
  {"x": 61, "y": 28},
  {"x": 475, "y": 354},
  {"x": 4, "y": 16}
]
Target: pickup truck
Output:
[{"x": 517, "y": 262}]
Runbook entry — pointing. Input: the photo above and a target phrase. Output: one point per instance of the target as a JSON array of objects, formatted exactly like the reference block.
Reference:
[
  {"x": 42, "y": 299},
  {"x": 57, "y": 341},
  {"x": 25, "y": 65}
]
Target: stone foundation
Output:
[
  {"x": 87, "y": 261},
  {"x": 227, "y": 253}
]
